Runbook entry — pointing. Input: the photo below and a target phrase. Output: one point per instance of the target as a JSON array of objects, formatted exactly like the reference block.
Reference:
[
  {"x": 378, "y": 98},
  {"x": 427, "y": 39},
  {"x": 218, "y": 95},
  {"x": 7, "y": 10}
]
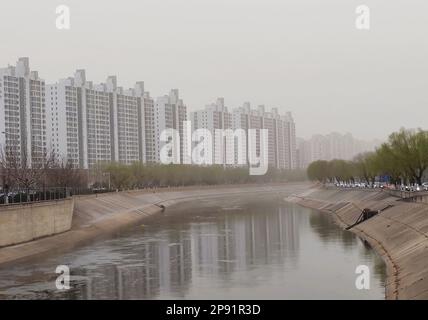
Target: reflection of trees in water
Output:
[
  {"x": 322, "y": 224},
  {"x": 369, "y": 254},
  {"x": 324, "y": 227},
  {"x": 379, "y": 269}
]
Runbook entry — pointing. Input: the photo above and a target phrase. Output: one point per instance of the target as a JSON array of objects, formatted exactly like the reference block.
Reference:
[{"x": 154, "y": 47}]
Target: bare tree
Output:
[
  {"x": 20, "y": 172},
  {"x": 63, "y": 174}
]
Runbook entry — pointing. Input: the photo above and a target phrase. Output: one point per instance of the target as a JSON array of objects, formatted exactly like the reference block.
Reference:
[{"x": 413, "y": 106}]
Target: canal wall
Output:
[
  {"x": 25, "y": 222},
  {"x": 399, "y": 234},
  {"x": 103, "y": 214}
]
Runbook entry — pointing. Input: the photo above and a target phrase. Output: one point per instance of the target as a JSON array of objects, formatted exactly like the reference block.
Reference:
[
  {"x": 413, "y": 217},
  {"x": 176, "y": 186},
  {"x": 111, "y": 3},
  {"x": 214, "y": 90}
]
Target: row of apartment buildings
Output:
[
  {"x": 281, "y": 131},
  {"x": 331, "y": 146},
  {"x": 93, "y": 124},
  {"x": 86, "y": 123}
]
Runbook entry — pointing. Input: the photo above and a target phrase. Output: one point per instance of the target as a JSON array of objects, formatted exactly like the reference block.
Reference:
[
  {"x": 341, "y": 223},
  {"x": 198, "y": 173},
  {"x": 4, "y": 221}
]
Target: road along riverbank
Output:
[
  {"x": 399, "y": 233},
  {"x": 99, "y": 215}
]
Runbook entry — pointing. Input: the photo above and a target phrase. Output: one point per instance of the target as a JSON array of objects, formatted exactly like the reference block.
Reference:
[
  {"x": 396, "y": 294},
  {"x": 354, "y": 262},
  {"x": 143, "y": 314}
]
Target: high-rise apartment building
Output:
[
  {"x": 281, "y": 148},
  {"x": 125, "y": 121},
  {"x": 290, "y": 151},
  {"x": 269, "y": 122},
  {"x": 79, "y": 121},
  {"x": 64, "y": 121},
  {"x": 22, "y": 114},
  {"x": 148, "y": 127},
  {"x": 332, "y": 146},
  {"x": 170, "y": 113},
  {"x": 281, "y": 134},
  {"x": 240, "y": 121},
  {"x": 216, "y": 119},
  {"x": 91, "y": 124},
  {"x": 86, "y": 124}
]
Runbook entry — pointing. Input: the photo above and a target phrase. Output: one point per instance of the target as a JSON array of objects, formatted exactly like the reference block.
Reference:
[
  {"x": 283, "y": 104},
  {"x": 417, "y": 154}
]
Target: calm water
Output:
[{"x": 238, "y": 249}]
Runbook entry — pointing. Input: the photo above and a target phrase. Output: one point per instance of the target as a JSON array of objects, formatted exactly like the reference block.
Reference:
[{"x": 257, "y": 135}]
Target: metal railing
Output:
[
  {"x": 13, "y": 196},
  {"x": 410, "y": 195},
  {"x": 416, "y": 196},
  {"x": 30, "y": 195},
  {"x": 22, "y": 195}
]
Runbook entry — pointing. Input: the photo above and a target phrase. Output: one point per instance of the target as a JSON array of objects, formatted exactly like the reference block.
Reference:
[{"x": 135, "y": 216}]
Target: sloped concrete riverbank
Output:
[
  {"x": 98, "y": 215},
  {"x": 399, "y": 234}
]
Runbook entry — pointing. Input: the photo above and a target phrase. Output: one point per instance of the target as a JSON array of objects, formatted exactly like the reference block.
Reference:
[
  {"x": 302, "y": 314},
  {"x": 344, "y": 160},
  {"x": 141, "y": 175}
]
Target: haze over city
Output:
[
  {"x": 300, "y": 56},
  {"x": 189, "y": 151}
]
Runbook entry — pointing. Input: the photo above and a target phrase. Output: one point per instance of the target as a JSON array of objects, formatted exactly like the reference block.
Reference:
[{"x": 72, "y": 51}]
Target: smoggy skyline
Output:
[{"x": 301, "y": 56}]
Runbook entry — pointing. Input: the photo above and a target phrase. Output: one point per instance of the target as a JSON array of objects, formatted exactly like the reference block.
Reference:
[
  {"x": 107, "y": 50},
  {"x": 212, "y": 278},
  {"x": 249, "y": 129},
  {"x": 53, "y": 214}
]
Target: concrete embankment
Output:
[
  {"x": 99, "y": 215},
  {"x": 25, "y": 222},
  {"x": 399, "y": 234}
]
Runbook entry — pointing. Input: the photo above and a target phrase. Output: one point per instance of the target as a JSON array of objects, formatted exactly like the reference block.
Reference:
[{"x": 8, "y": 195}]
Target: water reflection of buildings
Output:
[
  {"x": 233, "y": 242},
  {"x": 239, "y": 242}
]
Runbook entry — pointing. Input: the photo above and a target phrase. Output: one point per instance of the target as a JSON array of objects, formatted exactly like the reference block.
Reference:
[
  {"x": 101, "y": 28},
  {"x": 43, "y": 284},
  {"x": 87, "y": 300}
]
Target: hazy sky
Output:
[{"x": 305, "y": 56}]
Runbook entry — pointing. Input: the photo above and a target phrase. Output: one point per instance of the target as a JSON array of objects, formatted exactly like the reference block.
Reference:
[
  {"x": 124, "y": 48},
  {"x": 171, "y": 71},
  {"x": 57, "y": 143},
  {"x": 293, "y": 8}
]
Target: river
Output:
[{"x": 232, "y": 248}]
